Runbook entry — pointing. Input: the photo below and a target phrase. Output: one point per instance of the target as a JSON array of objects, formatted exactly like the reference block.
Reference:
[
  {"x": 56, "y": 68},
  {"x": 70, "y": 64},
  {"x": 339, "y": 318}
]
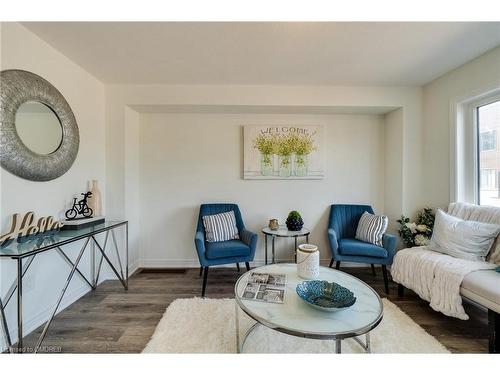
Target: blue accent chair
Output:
[
  {"x": 225, "y": 252},
  {"x": 344, "y": 219}
]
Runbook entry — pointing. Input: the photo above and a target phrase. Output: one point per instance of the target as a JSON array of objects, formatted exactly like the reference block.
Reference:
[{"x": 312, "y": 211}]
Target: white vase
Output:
[{"x": 95, "y": 202}]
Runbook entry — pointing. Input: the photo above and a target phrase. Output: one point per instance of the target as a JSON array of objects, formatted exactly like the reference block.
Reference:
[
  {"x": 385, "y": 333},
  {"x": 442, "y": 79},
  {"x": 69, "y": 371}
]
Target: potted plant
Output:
[
  {"x": 419, "y": 232},
  {"x": 294, "y": 221}
]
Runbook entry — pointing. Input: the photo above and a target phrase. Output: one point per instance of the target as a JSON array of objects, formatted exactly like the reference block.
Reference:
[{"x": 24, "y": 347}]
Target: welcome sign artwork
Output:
[{"x": 284, "y": 152}]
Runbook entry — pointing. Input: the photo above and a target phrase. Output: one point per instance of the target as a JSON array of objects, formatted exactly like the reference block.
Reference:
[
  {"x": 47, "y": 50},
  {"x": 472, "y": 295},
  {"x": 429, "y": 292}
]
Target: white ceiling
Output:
[{"x": 334, "y": 53}]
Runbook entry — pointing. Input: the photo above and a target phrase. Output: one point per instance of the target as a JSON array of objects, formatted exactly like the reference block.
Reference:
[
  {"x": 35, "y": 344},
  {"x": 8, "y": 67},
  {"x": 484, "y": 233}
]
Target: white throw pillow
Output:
[
  {"x": 464, "y": 239},
  {"x": 221, "y": 227},
  {"x": 371, "y": 228}
]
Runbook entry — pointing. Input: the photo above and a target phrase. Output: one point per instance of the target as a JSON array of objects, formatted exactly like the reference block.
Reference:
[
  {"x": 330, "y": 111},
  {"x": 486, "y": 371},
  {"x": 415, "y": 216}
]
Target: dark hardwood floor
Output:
[{"x": 111, "y": 320}]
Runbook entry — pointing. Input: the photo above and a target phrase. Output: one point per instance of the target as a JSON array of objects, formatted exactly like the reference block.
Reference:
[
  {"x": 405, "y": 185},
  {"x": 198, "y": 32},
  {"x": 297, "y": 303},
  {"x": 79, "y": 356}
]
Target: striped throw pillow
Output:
[
  {"x": 221, "y": 227},
  {"x": 371, "y": 228}
]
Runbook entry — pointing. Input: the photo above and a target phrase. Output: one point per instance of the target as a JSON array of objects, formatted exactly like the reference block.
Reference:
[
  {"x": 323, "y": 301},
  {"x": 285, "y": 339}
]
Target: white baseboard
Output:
[{"x": 134, "y": 266}]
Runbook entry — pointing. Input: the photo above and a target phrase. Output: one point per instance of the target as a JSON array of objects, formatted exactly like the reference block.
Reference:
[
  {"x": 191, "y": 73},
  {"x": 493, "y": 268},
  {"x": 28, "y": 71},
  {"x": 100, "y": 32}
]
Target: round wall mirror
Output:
[
  {"x": 38, "y": 127},
  {"x": 39, "y": 136}
]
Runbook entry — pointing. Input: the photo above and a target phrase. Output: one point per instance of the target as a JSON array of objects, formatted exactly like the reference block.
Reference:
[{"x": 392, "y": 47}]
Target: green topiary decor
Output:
[{"x": 294, "y": 221}]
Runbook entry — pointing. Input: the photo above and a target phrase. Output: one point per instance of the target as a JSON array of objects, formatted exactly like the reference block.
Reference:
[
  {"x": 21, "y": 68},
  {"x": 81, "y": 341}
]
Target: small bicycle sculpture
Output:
[{"x": 80, "y": 208}]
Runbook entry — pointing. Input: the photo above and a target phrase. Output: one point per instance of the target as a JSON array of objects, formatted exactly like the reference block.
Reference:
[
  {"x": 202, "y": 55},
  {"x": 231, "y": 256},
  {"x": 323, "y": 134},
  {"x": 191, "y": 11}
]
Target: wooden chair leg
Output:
[
  {"x": 386, "y": 281},
  {"x": 331, "y": 263},
  {"x": 205, "y": 276},
  {"x": 337, "y": 265},
  {"x": 494, "y": 331},
  {"x": 247, "y": 265},
  {"x": 401, "y": 290},
  {"x": 238, "y": 267},
  {"x": 373, "y": 270}
]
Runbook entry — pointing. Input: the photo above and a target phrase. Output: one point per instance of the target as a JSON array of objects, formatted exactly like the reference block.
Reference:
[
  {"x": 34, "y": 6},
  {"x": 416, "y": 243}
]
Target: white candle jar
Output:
[{"x": 308, "y": 261}]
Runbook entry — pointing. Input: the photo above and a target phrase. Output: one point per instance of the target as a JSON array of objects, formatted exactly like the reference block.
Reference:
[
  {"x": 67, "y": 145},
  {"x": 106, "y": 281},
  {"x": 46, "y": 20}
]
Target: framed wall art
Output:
[{"x": 284, "y": 152}]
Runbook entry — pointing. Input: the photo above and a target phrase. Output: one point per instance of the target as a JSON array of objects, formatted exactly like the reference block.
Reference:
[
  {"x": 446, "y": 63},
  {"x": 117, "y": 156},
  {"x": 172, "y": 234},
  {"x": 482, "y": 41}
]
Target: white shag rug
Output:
[{"x": 201, "y": 325}]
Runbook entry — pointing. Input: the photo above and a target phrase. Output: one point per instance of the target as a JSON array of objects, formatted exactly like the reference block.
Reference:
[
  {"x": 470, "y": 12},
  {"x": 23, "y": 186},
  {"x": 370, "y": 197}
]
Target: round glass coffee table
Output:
[
  {"x": 283, "y": 231},
  {"x": 295, "y": 317}
]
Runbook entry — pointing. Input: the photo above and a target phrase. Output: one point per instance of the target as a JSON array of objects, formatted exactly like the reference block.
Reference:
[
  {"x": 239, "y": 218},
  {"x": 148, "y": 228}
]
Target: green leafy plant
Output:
[
  {"x": 426, "y": 217},
  {"x": 294, "y": 215},
  {"x": 419, "y": 232}
]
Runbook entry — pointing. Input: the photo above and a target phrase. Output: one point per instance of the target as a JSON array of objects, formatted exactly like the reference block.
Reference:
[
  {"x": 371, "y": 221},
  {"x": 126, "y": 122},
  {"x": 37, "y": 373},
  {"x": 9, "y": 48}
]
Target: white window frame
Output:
[{"x": 464, "y": 145}]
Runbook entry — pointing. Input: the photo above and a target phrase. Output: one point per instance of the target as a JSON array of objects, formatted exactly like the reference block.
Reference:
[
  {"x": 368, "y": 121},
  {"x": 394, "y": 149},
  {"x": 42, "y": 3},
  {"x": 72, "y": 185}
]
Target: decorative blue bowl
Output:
[{"x": 325, "y": 296}]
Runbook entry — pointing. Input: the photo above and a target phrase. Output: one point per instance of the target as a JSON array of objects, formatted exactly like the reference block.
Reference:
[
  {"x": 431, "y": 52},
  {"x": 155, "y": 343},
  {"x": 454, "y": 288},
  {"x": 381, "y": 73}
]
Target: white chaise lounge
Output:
[{"x": 480, "y": 287}]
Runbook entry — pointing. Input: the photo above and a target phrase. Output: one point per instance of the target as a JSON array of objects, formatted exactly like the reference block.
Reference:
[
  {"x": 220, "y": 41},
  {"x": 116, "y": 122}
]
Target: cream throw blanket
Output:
[{"x": 435, "y": 277}]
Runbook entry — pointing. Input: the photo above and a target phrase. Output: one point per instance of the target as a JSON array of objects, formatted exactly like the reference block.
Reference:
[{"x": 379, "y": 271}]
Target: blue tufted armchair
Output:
[
  {"x": 344, "y": 219},
  {"x": 225, "y": 252}
]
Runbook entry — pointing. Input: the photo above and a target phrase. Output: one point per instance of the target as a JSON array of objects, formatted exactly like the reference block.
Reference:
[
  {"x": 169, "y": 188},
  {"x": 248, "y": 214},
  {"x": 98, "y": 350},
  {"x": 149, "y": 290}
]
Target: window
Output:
[
  {"x": 488, "y": 179},
  {"x": 488, "y": 124},
  {"x": 488, "y": 140}
]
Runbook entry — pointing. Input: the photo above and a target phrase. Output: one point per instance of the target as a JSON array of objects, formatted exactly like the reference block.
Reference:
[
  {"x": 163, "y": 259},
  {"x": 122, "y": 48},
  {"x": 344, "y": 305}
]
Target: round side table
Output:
[{"x": 283, "y": 231}]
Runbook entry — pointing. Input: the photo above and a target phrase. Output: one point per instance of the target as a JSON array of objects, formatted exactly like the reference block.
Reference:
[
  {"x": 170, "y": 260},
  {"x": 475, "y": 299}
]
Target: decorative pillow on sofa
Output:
[
  {"x": 221, "y": 227},
  {"x": 464, "y": 239},
  {"x": 371, "y": 228},
  {"x": 483, "y": 214}
]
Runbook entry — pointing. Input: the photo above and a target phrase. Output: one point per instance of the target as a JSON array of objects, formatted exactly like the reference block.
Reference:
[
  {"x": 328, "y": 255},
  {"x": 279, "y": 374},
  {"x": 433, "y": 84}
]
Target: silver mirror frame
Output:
[{"x": 18, "y": 87}]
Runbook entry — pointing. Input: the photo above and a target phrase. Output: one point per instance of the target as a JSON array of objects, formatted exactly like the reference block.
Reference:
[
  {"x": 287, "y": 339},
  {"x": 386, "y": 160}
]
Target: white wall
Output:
[
  {"x": 23, "y": 50},
  {"x": 405, "y": 145},
  {"x": 189, "y": 159},
  {"x": 119, "y": 97},
  {"x": 393, "y": 167},
  {"x": 476, "y": 77},
  {"x": 132, "y": 186}
]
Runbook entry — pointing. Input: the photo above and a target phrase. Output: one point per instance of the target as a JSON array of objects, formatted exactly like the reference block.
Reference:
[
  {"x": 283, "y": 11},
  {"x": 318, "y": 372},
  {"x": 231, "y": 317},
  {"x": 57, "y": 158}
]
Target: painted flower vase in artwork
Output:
[
  {"x": 266, "y": 164},
  {"x": 285, "y": 165},
  {"x": 95, "y": 202},
  {"x": 301, "y": 165}
]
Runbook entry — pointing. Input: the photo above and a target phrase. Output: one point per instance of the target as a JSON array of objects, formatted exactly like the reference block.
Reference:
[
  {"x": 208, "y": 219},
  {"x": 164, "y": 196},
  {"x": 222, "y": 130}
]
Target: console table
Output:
[{"x": 24, "y": 253}]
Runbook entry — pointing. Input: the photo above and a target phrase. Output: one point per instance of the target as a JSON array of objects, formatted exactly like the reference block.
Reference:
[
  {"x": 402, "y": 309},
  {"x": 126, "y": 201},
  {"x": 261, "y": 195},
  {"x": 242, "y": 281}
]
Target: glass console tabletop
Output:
[
  {"x": 296, "y": 318},
  {"x": 42, "y": 243}
]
